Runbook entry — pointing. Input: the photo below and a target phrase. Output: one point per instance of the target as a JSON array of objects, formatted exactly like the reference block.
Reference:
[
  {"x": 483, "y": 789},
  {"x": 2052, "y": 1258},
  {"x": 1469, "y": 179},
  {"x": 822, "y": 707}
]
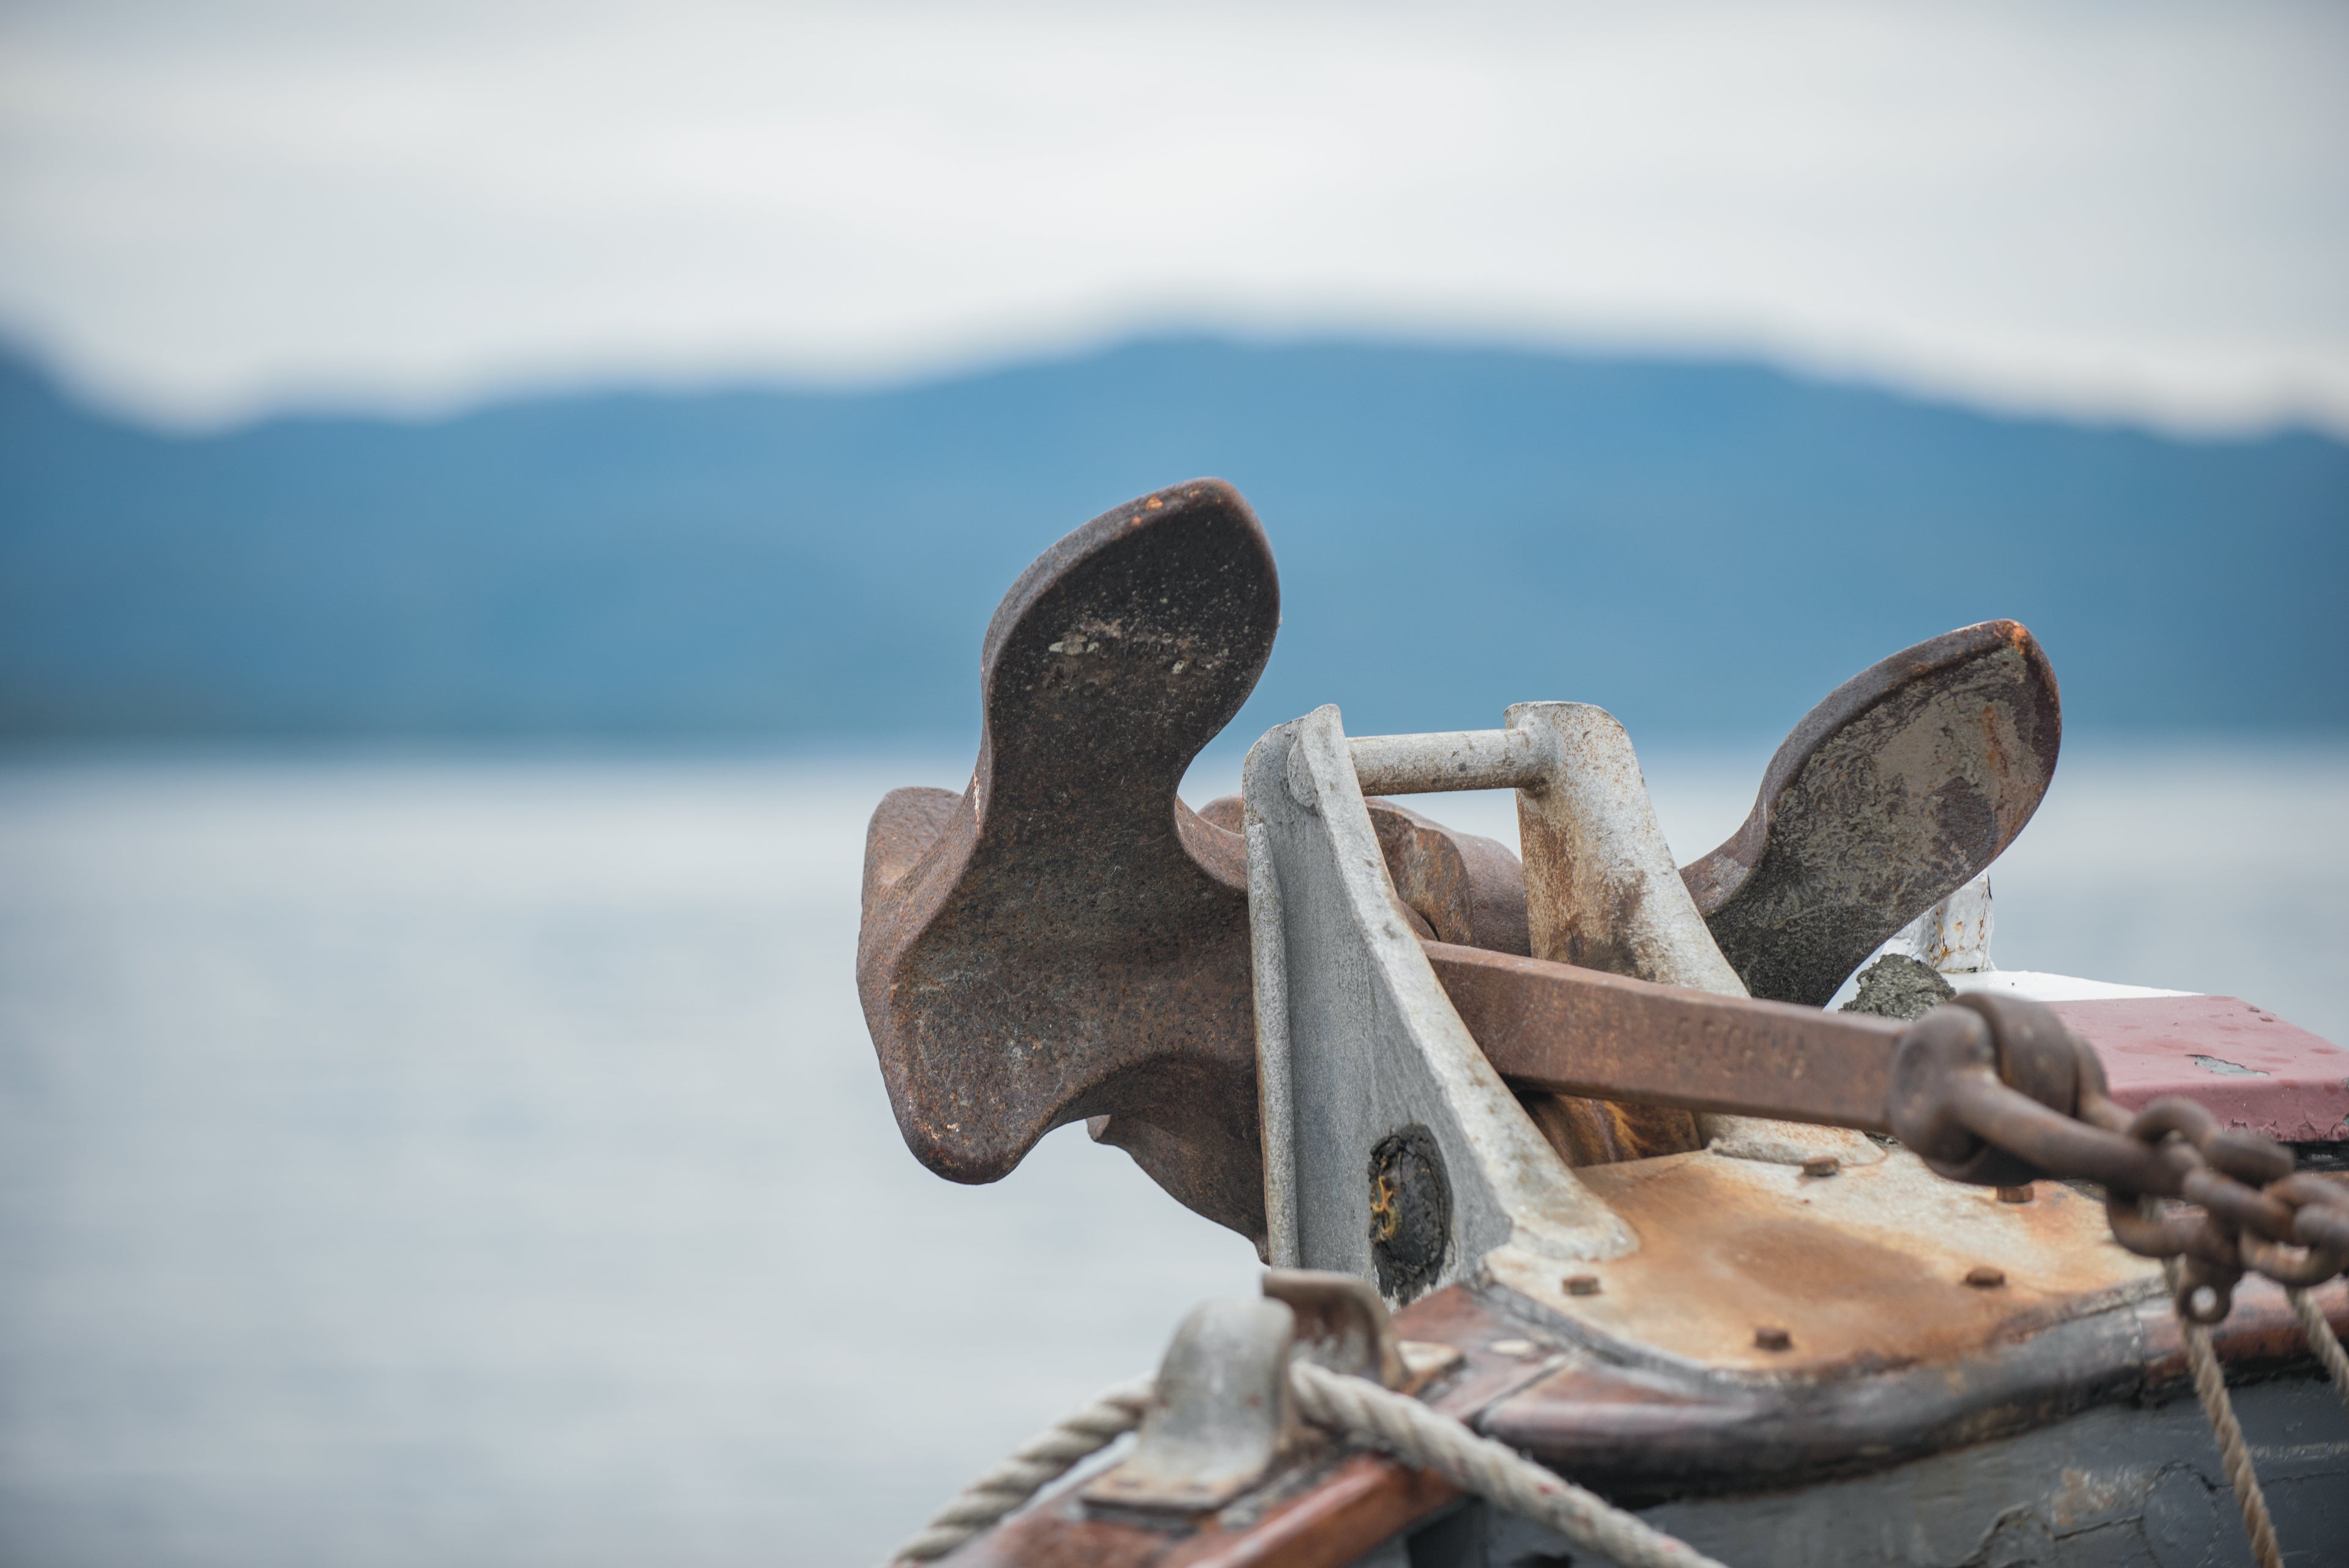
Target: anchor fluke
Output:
[{"x": 1066, "y": 939}]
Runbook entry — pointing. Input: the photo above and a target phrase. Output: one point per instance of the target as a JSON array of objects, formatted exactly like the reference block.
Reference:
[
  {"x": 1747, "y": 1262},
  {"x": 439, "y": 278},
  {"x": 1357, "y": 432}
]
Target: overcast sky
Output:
[{"x": 207, "y": 209}]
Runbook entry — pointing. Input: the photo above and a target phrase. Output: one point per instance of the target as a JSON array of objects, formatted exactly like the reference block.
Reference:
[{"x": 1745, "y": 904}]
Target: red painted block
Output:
[{"x": 2249, "y": 1067}]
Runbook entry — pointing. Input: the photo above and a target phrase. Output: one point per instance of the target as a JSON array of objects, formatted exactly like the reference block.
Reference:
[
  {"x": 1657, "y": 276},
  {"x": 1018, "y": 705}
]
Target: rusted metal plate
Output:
[
  {"x": 2133, "y": 1479},
  {"x": 1895, "y": 791},
  {"x": 1066, "y": 939},
  {"x": 1057, "y": 1533},
  {"x": 1324, "y": 1517},
  {"x": 1640, "y": 1431},
  {"x": 1753, "y": 1268},
  {"x": 1365, "y": 1500},
  {"x": 2249, "y": 1067},
  {"x": 1502, "y": 1352},
  {"x": 1578, "y": 1032}
]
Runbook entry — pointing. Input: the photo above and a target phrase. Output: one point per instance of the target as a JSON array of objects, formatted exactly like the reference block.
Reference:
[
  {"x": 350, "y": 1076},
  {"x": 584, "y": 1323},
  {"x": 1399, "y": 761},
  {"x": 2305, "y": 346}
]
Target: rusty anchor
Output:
[{"x": 1067, "y": 939}]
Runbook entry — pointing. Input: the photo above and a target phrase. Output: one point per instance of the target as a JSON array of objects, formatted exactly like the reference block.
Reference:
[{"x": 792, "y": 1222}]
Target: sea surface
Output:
[{"x": 472, "y": 1161}]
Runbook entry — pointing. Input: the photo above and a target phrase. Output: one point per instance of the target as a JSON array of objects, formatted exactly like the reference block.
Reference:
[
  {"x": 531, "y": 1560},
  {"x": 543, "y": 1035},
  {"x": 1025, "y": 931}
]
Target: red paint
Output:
[{"x": 2149, "y": 1044}]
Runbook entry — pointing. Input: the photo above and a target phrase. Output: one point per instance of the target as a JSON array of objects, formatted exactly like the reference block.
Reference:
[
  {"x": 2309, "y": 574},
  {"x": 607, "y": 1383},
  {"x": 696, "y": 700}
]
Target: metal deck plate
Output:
[{"x": 1862, "y": 1271}]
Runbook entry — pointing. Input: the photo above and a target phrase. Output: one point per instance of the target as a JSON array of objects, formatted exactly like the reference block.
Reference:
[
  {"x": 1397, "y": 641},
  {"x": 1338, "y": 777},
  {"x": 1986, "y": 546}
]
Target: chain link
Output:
[{"x": 1993, "y": 1090}]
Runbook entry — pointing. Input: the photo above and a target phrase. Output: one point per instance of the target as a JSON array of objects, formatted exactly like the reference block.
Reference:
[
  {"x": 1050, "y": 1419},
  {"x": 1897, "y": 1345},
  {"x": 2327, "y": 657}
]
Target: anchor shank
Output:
[{"x": 1609, "y": 1037}]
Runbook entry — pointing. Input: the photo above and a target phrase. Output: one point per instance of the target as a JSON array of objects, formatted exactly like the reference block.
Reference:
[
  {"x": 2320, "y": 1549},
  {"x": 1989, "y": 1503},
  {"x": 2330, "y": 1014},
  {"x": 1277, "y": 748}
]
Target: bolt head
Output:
[
  {"x": 1767, "y": 1338},
  {"x": 1822, "y": 1165},
  {"x": 1982, "y": 1277},
  {"x": 2022, "y": 1194},
  {"x": 1581, "y": 1285}
]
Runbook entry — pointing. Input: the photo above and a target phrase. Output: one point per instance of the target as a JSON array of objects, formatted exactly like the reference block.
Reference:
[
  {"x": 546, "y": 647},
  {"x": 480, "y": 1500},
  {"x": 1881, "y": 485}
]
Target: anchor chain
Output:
[{"x": 1995, "y": 1091}]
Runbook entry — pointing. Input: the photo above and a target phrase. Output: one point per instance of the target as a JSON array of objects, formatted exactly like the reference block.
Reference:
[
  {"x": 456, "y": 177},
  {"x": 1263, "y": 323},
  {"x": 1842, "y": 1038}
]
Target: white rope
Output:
[
  {"x": 1361, "y": 1409},
  {"x": 1430, "y": 1440},
  {"x": 2321, "y": 1337},
  {"x": 2234, "y": 1453},
  {"x": 1042, "y": 1459}
]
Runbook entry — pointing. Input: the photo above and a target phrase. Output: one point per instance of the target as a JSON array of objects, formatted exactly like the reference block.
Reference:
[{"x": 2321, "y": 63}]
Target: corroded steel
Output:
[
  {"x": 1407, "y": 1157},
  {"x": 1065, "y": 940},
  {"x": 1900, "y": 787},
  {"x": 1601, "y": 892},
  {"x": 1650, "y": 1426},
  {"x": 1466, "y": 889},
  {"x": 1989, "y": 1090},
  {"x": 1993, "y": 1089},
  {"x": 1869, "y": 1269},
  {"x": 1456, "y": 886},
  {"x": 1579, "y": 1031},
  {"x": 1893, "y": 792}
]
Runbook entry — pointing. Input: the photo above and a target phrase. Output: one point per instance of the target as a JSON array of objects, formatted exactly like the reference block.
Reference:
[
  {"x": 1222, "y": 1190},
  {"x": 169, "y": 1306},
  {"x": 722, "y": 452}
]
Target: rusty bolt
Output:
[
  {"x": 1982, "y": 1277},
  {"x": 1773, "y": 1339},
  {"x": 1822, "y": 1165},
  {"x": 1582, "y": 1285},
  {"x": 2022, "y": 1194}
]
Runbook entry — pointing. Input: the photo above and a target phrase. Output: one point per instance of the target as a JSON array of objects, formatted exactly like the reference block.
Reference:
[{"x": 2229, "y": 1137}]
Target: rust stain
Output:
[
  {"x": 1889, "y": 796},
  {"x": 1065, "y": 940},
  {"x": 1867, "y": 1271},
  {"x": 1367, "y": 1499}
]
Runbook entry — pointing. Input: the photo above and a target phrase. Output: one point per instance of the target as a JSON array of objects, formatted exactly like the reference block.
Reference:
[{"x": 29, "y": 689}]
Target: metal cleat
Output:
[
  {"x": 1221, "y": 1419},
  {"x": 1341, "y": 1324}
]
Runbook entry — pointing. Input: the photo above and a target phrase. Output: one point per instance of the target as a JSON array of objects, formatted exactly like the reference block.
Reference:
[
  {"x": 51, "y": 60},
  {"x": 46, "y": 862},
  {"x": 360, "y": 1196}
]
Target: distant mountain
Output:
[{"x": 1693, "y": 545}]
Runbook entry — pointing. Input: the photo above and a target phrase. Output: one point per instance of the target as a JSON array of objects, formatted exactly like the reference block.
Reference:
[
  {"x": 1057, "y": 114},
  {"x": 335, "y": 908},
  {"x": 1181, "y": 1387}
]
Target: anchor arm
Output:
[{"x": 1065, "y": 940}]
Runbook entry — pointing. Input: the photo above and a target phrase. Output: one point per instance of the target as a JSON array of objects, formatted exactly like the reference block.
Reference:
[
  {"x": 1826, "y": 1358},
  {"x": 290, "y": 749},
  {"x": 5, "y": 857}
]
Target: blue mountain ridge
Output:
[{"x": 1697, "y": 546}]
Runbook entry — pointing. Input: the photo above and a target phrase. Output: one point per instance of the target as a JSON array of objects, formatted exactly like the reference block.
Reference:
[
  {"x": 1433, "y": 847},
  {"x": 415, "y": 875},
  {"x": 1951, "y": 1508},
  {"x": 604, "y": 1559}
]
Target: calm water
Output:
[{"x": 484, "y": 1162}]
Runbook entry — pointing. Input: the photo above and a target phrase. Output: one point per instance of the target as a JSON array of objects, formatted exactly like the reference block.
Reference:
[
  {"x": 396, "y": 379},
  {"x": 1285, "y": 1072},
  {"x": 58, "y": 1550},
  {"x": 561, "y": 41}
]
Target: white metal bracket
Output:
[{"x": 1392, "y": 1150}]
